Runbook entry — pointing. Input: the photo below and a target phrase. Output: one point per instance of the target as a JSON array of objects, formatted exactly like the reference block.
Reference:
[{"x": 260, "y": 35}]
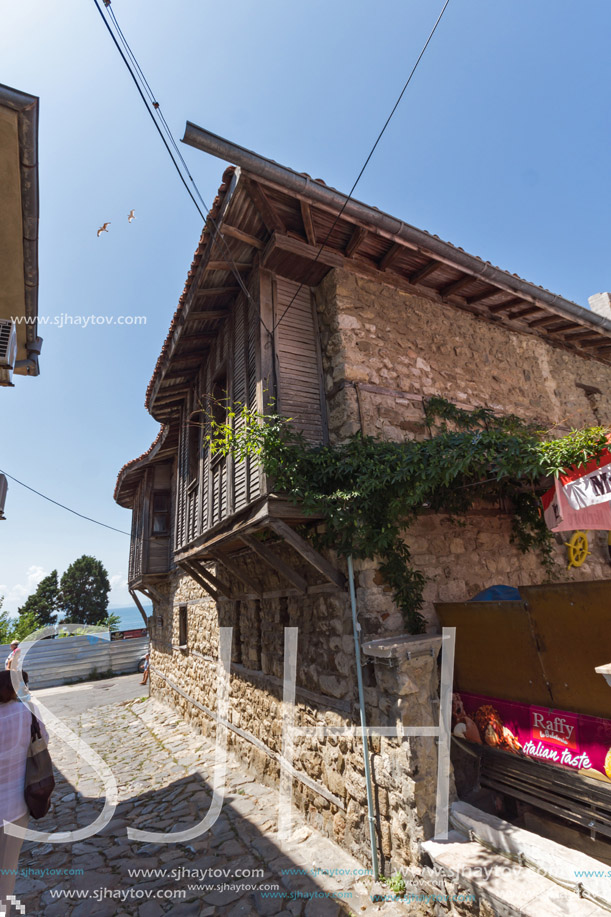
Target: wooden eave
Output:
[
  {"x": 162, "y": 450},
  {"x": 366, "y": 250},
  {"x": 261, "y": 222}
]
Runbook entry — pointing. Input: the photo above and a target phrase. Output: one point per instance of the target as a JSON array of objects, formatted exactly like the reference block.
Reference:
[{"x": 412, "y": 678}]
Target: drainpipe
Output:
[
  {"x": 356, "y": 627},
  {"x": 31, "y": 364}
]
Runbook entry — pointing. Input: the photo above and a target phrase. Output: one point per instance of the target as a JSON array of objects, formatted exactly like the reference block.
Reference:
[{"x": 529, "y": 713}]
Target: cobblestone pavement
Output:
[{"x": 163, "y": 769}]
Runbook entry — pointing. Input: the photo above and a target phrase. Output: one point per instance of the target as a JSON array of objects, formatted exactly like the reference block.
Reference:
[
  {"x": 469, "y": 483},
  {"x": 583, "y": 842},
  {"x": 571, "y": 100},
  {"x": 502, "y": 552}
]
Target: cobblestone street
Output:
[{"x": 163, "y": 769}]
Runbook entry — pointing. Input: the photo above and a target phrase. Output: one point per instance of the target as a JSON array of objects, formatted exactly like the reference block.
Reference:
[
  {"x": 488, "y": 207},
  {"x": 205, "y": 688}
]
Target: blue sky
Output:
[{"x": 500, "y": 146}]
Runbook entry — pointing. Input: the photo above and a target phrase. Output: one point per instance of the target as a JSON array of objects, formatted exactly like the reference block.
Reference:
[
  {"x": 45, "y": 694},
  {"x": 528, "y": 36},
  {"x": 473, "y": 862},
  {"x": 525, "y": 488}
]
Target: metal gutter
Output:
[{"x": 303, "y": 185}]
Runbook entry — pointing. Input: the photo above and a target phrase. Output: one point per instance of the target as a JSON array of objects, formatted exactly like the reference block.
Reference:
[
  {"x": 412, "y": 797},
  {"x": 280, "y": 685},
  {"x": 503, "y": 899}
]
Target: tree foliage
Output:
[
  {"x": 6, "y": 625},
  {"x": 43, "y": 605},
  {"x": 370, "y": 490},
  {"x": 84, "y": 589}
]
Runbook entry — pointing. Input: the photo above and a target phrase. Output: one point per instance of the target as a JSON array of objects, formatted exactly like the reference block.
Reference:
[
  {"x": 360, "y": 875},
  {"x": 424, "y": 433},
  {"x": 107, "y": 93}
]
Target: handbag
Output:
[{"x": 39, "y": 779}]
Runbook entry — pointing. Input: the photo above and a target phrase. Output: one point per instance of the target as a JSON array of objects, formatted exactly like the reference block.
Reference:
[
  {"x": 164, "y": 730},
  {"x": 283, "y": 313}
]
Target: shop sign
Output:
[
  {"x": 560, "y": 516},
  {"x": 589, "y": 485},
  {"x": 572, "y": 740}
]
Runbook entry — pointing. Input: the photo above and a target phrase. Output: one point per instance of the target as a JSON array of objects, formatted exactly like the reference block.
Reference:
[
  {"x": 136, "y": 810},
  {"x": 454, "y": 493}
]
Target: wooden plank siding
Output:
[
  {"x": 150, "y": 553},
  {"x": 235, "y": 370},
  {"x": 228, "y": 374},
  {"x": 300, "y": 392}
]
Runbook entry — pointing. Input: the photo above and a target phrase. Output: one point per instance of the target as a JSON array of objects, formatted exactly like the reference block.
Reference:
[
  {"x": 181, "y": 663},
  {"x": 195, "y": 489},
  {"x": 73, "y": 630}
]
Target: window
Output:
[
  {"x": 161, "y": 513},
  {"x": 183, "y": 627}
]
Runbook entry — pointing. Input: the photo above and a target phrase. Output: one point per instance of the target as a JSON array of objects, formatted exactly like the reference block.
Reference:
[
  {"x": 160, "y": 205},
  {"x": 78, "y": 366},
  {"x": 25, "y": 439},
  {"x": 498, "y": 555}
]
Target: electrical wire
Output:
[
  {"x": 366, "y": 163},
  {"x": 88, "y": 518},
  {"x": 153, "y": 108}
]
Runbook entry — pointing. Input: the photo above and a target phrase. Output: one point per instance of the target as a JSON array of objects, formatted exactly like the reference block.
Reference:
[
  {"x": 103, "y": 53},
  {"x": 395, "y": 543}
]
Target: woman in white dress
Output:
[{"x": 15, "y": 728}]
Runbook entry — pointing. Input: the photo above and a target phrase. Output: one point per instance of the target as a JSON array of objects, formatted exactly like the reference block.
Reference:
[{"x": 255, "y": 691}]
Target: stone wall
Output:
[
  {"x": 412, "y": 346},
  {"x": 330, "y": 786},
  {"x": 385, "y": 350}
]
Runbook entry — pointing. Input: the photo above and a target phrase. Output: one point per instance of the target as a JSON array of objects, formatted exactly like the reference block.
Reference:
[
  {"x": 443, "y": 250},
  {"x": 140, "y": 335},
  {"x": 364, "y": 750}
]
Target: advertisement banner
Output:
[
  {"x": 573, "y": 740},
  {"x": 561, "y": 517},
  {"x": 590, "y": 484}
]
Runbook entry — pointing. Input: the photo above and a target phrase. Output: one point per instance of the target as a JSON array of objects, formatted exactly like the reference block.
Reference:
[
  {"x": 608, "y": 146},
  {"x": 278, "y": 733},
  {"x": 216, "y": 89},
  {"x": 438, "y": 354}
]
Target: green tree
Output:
[
  {"x": 84, "y": 589},
  {"x": 6, "y": 625},
  {"x": 43, "y": 604},
  {"x": 25, "y": 625},
  {"x": 111, "y": 621}
]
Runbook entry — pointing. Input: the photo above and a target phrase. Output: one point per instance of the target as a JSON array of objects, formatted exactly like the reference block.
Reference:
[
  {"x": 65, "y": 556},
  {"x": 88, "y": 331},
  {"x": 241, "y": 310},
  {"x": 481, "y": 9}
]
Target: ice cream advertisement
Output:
[{"x": 576, "y": 741}]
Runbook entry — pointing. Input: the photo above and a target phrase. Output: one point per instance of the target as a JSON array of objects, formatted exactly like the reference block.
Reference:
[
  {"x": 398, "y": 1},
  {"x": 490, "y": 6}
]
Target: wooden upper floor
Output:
[{"x": 246, "y": 333}]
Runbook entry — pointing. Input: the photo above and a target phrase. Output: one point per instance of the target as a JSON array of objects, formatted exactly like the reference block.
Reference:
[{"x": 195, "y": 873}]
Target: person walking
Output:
[
  {"x": 145, "y": 673},
  {"x": 15, "y": 735},
  {"x": 13, "y": 656}
]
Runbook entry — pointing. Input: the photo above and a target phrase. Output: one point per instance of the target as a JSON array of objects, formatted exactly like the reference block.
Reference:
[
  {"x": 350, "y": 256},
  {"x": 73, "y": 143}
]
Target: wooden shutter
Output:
[
  {"x": 182, "y": 482},
  {"x": 252, "y": 322},
  {"x": 298, "y": 358},
  {"x": 240, "y": 397}
]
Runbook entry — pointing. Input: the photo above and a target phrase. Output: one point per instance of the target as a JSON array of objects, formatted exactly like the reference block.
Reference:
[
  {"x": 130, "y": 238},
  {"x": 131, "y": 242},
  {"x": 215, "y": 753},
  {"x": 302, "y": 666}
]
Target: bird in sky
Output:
[
  {"x": 103, "y": 228},
  {"x": 131, "y": 216}
]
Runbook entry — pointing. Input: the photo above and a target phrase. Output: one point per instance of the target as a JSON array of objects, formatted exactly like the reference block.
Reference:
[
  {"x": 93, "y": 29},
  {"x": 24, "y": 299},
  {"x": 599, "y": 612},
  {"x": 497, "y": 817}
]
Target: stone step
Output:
[{"x": 518, "y": 872}]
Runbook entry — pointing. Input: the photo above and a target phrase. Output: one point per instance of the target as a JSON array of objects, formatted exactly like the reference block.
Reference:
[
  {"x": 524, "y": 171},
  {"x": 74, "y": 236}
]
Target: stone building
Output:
[{"x": 349, "y": 336}]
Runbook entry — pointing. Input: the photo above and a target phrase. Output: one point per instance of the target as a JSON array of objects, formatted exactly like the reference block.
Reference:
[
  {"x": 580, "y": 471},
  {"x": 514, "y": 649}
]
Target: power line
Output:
[
  {"x": 88, "y": 518},
  {"x": 153, "y": 108},
  {"x": 371, "y": 152}
]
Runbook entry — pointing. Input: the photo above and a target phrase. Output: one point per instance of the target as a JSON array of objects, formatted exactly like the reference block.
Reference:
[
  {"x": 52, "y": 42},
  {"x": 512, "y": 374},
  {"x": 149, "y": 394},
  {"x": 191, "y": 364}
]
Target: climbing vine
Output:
[{"x": 370, "y": 490}]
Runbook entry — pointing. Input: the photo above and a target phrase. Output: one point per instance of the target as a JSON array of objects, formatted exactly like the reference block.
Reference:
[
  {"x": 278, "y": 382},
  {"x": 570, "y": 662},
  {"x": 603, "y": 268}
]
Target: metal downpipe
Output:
[{"x": 359, "y": 678}]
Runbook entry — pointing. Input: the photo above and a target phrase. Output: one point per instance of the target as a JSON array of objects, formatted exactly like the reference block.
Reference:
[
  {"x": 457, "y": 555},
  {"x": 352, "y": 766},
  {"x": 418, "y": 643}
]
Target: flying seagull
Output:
[
  {"x": 131, "y": 216},
  {"x": 103, "y": 228}
]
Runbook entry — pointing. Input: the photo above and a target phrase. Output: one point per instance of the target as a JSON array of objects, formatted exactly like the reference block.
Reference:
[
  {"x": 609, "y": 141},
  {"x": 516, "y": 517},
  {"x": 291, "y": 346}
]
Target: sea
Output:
[{"x": 129, "y": 616}]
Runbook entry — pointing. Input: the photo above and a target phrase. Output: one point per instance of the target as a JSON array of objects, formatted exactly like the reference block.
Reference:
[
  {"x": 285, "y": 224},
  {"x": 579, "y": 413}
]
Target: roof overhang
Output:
[
  {"x": 161, "y": 449},
  {"x": 269, "y": 215},
  {"x": 19, "y": 224}
]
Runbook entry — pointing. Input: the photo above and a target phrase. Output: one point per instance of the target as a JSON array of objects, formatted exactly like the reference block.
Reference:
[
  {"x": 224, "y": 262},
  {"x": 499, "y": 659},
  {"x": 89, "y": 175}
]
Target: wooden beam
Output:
[
  {"x": 583, "y": 333},
  {"x": 137, "y": 601},
  {"x": 270, "y": 557},
  {"x": 197, "y": 339},
  {"x": 500, "y": 306},
  {"x": 451, "y": 288},
  {"x": 391, "y": 255},
  {"x": 236, "y": 571},
  {"x": 235, "y": 233},
  {"x": 216, "y": 291},
  {"x": 558, "y": 329},
  {"x": 268, "y": 213},
  {"x": 308, "y": 225},
  {"x": 585, "y": 341},
  {"x": 214, "y": 581},
  {"x": 549, "y": 318},
  {"x": 355, "y": 240},
  {"x": 423, "y": 272},
  {"x": 153, "y": 592},
  {"x": 177, "y": 392},
  {"x": 227, "y": 266},
  {"x": 485, "y": 294},
  {"x": 308, "y": 552},
  {"x": 528, "y": 310},
  {"x": 194, "y": 574},
  {"x": 207, "y": 315}
]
